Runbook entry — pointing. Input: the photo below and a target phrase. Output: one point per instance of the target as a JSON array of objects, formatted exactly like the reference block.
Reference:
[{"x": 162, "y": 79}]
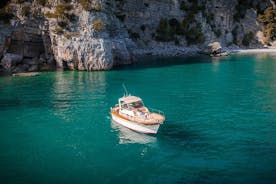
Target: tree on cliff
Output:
[{"x": 269, "y": 21}]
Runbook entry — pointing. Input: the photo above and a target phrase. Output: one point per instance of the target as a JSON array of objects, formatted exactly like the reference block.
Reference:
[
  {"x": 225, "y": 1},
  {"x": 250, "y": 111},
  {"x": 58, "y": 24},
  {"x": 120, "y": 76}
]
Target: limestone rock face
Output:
[
  {"x": 214, "y": 47},
  {"x": 101, "y": 42},
  {"x": 112, "y": 32},
  {"x": 92, "y": 54},
  {"x": 5, "y": 32},
  {"x": 229, "y": 38},
  {"x": 27, "y": 40},
  {"x": 27, "y": 37},
  {"x": 225, "y": 21}
]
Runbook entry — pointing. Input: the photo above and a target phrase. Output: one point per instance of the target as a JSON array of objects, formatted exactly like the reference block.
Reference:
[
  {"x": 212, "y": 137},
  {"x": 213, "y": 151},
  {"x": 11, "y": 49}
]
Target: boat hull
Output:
[{"x": 147, "y": 129}]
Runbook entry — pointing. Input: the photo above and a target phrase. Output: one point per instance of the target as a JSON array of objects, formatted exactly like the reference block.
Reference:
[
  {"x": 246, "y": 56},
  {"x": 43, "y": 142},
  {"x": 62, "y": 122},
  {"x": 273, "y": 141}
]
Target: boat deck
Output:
[{"x": 150, "y": 119}]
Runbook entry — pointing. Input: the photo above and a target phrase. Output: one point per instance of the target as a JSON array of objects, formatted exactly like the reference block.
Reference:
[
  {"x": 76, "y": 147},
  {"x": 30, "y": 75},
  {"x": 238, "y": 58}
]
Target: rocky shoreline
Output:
[
  {"x": 97, "y": 35},
  {"x": 253, "y": 51},
  {"x": 167, "y": 51}
]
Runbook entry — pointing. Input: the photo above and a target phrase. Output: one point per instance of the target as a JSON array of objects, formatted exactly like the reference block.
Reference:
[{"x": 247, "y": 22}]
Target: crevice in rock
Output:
[{"x": 34, "y": 47}]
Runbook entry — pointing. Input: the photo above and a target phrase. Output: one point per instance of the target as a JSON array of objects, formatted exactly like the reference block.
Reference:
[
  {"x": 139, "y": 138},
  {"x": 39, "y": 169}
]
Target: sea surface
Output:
[{"x": 220, "y": 123}]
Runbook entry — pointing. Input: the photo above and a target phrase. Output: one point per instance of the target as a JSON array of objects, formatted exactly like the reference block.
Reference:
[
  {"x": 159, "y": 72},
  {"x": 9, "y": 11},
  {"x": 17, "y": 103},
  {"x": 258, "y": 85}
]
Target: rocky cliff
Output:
[{"x": 98, "y": 34}]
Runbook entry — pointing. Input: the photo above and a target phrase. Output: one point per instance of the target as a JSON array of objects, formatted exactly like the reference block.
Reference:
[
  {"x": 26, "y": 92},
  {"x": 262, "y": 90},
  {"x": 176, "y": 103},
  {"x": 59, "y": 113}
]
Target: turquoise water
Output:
[{"x": 220, "y": 126}]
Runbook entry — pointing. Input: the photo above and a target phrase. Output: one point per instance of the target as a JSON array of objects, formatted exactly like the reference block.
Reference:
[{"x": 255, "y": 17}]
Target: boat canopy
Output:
[{"x": 129, "y": 99}]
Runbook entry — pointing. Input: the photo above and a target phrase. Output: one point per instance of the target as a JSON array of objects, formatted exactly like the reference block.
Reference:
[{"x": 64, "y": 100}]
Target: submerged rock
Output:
[{"x": 26, "y": 74}]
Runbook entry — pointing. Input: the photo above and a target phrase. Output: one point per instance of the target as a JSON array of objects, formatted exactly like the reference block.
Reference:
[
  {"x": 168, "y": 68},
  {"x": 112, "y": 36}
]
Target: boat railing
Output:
[{"x": 156, "y": 111}]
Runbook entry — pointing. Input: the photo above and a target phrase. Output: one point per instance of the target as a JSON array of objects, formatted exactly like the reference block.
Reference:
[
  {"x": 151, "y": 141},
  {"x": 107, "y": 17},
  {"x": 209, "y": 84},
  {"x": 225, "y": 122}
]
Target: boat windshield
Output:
[{"x": 137, "y": 104}]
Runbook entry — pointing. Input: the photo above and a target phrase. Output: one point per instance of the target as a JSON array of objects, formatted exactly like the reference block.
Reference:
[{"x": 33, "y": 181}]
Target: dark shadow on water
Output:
[
  {"x": 157, "y": 62},
  {"x": 180, "y": 136},
  {"x": 6, "y": 104},
  {"x": 174, "y": 135}
]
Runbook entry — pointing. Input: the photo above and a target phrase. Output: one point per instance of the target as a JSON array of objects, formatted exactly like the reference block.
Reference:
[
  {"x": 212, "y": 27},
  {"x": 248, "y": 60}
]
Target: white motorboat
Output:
[{"x": 131, "y": 113}]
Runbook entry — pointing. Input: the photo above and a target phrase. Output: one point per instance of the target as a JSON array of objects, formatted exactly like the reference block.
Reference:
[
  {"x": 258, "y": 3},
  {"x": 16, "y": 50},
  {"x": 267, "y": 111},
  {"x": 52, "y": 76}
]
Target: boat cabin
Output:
[{"x": 132, "y": 106}]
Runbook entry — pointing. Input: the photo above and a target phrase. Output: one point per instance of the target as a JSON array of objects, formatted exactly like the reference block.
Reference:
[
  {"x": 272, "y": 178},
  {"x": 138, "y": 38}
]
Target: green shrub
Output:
[
  {"x": 61, "y": 12},
  {"x": 235, "y": 34},
  {"x": 41, "y": 2},
  {"x": 269, "y": 21},
  {"x": 67, "y": 35},
  {"x": 167, "y": 30},
  {"x": 62, "y": 8},
  {"x": 247, "y": 38},
  {"x": 192, "y": 7},
  {"x": 185, "y": 25},
  {"x": 98, "y": 25},
  {"x": 5, "y": 16},
  {"x": 250, "y": 35},
  {"x": 71, "y": 17},
  {"x": 121, "y": 17},
  {"x": 143, "y": 27},
  {"x": 210, "y": 18},
  {"x": 173, "y": 22},
  {"x": 85, "y": 4},
  {"x": 162, "y": 31},
  {"x": 241, "y": 9},
  {"x": 183, "y": 6},
  {"x": 240, "y": 14},
  {"x": 51, "y": 15},
  {"x": 217, "y": 33},
  {"x": 97, "y": 8},
  {"x": 58, "y": 30},
  {"x": 134, "y": 35},
  {"x": 175, "y": 27},
  {"x": 192, "y": 32},
  {"x": 187, "y": 22},
  {"x": 195, "y": 35},
  {"x": 270, "y": 32},
  {"x": 62, "y": 24},
  {"x": 36, "y": 12},
  {"x": 25, "y": 11}
]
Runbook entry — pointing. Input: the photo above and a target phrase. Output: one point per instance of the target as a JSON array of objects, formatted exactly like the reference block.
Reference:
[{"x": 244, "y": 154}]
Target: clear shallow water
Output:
[{"x": 220, "y": 127}]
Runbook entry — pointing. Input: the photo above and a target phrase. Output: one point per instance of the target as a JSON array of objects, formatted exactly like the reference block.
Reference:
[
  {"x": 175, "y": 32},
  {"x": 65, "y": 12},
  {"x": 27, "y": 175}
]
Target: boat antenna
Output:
[{"x": 126, "y": 92}]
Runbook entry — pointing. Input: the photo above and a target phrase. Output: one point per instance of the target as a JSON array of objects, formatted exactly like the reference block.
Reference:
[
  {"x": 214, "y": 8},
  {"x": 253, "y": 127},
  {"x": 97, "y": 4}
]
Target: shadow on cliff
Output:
[{"x": 157, "y": 62}]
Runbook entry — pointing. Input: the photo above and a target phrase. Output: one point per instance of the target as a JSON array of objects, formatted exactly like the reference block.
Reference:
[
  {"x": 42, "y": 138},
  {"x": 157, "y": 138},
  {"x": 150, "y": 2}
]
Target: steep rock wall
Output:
[
  {"x": 102, "y": 33},
  {"x": 83, "y": 46},
  {"x": 215, "y": 17}
]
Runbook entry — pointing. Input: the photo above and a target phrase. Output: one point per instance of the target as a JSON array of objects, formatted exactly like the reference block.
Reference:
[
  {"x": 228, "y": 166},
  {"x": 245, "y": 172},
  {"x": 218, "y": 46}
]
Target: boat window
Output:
[
  {"x": 137, "y": 104},
  {"x": 124, "y": 106}
]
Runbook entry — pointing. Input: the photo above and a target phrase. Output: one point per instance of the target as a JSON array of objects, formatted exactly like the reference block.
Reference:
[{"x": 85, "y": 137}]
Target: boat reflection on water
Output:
[{"x": 127, "y": 136}]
